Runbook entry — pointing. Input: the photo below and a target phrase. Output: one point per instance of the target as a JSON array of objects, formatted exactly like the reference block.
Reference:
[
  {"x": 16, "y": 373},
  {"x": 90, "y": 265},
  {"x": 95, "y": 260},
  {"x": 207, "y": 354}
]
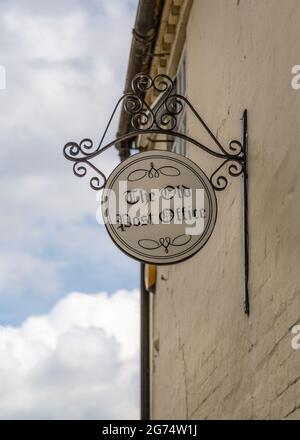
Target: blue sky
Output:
[{"x": 65, "y": 65}]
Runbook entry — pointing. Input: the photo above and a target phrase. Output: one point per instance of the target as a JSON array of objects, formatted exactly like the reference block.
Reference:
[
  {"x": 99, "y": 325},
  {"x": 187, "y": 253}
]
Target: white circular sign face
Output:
[{"x": 159, "y": 207}]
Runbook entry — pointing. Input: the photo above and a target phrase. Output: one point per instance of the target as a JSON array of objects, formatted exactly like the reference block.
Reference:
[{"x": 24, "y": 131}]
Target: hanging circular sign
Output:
[{"x": 159, "y": 207}]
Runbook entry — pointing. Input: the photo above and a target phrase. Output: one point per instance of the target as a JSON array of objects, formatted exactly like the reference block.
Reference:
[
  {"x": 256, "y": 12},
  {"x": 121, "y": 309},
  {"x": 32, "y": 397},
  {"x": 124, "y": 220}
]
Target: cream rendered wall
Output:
[{"x": 209, "y": 360}]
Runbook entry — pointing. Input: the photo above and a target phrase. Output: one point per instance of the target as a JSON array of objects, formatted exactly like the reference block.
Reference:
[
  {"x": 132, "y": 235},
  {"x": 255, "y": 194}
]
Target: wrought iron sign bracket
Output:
[{"x": 163, "y": 119}]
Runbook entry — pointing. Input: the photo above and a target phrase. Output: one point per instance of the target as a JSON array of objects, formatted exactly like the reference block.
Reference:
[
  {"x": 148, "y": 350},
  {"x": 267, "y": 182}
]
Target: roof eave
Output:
[{"x": 144, "y": 36}]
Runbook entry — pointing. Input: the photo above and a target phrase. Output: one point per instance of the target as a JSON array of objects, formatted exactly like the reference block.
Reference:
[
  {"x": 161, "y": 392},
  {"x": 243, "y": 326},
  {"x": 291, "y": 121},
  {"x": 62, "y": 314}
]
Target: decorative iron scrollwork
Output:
[
  {"x": 80, "y": 154},
  {"x": 162, "y": 118},
  {"x": 219, "y": 179}
]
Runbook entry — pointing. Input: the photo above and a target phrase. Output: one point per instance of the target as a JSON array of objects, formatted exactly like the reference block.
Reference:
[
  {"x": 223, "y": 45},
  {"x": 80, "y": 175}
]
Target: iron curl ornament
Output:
[{"x": 163, "y": 118}]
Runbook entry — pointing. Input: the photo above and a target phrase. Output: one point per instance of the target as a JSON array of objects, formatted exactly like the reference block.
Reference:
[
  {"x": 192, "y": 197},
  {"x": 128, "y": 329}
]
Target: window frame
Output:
[{"x": 179, "y": 145}]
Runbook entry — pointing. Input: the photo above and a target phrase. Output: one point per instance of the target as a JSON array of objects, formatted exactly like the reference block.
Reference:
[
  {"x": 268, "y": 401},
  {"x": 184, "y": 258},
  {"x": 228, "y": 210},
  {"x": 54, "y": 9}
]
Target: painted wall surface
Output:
[{"x": 209, "y": 360}]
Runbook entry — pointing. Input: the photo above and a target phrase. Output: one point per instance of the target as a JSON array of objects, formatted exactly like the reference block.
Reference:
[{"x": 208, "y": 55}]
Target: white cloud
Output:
[
  {"x": 66, "y": 63},
  {"x": 77, "y": 362}
]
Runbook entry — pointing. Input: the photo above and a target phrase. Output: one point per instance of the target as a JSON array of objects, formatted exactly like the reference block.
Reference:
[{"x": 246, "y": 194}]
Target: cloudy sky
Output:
[{"x": 68, "y": 298}]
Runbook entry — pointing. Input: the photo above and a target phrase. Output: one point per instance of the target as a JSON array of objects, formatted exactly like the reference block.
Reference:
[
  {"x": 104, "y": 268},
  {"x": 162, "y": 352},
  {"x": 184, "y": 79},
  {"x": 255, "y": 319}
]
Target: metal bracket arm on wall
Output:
[{"x": 163, "y": 119}]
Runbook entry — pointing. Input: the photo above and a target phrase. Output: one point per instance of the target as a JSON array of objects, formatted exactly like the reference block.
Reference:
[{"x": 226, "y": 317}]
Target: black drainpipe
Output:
[
  {"x": 141, "y": 53},
  {"x": 144, "y": 347}
]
